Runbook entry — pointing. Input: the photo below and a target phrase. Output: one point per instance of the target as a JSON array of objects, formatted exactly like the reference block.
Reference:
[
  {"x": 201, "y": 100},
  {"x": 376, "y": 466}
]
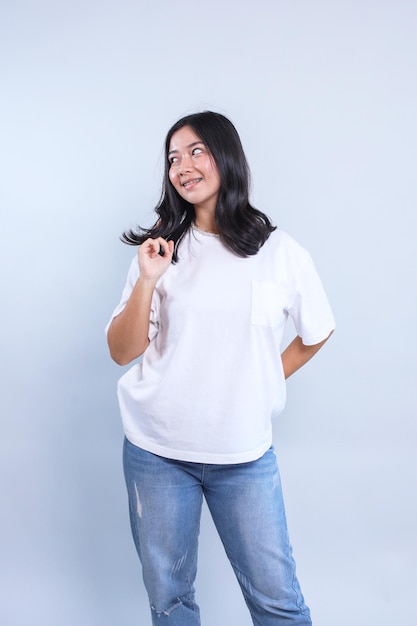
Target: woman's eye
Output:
[
  {"x": 197, "y": 151},
  {"x": 173, "y": 160}
]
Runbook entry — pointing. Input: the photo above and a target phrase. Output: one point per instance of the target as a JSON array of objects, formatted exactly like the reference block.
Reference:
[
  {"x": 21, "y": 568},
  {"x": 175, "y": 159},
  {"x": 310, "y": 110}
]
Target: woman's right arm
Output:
[{"x": 128, "y": 332}]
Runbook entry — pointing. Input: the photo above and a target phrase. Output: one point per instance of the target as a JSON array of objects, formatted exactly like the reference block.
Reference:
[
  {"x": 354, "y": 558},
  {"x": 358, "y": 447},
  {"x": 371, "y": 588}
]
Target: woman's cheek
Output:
[{"x": 173, "y": 177}]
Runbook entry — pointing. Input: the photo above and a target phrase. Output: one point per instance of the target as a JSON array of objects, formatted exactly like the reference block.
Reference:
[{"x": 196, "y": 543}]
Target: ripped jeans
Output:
[{"x": 245, "y": 501}]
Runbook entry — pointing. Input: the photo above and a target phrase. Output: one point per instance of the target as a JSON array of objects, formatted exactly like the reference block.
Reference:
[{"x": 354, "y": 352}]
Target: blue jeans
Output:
[{"x": 245, "y": 501}]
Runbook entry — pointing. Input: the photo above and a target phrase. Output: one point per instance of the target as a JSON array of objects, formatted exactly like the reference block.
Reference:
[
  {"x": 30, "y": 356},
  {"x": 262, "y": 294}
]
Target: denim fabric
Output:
[{"x": 245, "y": 501}]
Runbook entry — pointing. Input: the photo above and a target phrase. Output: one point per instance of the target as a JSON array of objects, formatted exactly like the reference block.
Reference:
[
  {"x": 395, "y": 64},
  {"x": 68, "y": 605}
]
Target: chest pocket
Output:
[{"x": 267, "y": 307}]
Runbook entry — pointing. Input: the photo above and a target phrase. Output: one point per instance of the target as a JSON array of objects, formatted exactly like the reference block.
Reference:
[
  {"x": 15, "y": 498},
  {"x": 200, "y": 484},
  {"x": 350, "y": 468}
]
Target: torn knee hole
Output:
[
  {"x": 138, "y": 502},
  {"x": 168, "y": 611}
]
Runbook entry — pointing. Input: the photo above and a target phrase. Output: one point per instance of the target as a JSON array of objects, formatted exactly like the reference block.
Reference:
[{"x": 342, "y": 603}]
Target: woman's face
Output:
[{"x": 193, "y": 172}]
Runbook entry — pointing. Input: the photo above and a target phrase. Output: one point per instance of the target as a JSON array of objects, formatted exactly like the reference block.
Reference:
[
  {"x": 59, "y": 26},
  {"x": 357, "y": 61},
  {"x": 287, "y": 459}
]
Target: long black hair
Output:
[{"x": 242, "y": 228}]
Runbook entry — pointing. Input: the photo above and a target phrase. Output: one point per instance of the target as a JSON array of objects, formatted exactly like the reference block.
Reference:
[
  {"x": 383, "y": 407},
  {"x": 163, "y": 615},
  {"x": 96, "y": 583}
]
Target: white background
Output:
[{"x": 323, "y": 94}]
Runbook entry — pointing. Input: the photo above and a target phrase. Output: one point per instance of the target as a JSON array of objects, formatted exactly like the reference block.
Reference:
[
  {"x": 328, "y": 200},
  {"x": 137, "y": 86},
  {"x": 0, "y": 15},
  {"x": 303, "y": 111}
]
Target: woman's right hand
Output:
[
  {"x": 128, "y": 333},
  {"x": 151, "y": 263}
]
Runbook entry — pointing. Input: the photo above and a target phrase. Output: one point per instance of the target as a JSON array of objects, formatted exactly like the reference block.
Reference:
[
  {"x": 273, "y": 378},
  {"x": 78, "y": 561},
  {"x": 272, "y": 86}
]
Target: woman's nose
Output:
[{"x": 186, "y": 163}]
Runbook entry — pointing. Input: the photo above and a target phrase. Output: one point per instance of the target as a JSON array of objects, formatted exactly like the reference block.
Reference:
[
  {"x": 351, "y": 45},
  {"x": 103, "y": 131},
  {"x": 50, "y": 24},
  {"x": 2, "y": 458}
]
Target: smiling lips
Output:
[{"x": 191, "y": 183}]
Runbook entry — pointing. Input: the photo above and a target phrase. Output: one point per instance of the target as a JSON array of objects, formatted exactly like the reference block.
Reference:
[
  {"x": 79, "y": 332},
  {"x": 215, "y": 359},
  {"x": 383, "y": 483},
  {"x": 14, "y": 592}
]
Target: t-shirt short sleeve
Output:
[
  {"x": 132, "y": 277},
  {"x": 310, "y": 309}
]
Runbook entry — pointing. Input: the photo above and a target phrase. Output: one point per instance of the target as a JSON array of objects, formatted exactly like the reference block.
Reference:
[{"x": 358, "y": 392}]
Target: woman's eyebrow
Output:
[{"x": 191, "y": 145}]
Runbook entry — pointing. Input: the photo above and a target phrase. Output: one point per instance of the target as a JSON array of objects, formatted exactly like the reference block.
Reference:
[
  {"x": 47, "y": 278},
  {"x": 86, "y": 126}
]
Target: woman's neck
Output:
[{"x": 206, "y": 222}]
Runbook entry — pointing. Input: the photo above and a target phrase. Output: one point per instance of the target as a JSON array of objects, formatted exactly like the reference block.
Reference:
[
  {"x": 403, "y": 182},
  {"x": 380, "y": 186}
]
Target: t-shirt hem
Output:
[{"x": 230, "y": 458}]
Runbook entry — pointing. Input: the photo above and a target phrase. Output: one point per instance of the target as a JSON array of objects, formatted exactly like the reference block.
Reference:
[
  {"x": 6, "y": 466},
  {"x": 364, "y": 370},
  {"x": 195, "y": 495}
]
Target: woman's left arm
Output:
[{"x": 296, "y": 354}]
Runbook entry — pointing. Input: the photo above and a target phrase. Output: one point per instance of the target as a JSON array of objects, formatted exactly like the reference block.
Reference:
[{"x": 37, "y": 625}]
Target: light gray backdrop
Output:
[{"x": 324, "y": 96}]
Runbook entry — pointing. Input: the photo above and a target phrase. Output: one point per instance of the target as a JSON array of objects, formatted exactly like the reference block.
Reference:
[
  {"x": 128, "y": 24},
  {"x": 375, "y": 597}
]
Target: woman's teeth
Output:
[{"x": 191, "y": 182}]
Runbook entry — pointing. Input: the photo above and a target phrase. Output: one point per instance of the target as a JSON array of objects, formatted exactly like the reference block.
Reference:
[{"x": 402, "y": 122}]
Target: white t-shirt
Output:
[{"x": 211, "y": 378}]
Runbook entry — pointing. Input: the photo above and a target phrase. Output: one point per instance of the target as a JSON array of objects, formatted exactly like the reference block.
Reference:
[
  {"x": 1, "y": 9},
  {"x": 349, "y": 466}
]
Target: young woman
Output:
[{"x": 205, "y": 303}]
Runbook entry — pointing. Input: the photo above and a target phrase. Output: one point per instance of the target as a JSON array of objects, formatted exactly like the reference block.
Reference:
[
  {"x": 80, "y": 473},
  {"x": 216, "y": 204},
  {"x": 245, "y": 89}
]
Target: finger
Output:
[
  {"x": 166, "y": 247},
  {"x": 151, "y": 247}
]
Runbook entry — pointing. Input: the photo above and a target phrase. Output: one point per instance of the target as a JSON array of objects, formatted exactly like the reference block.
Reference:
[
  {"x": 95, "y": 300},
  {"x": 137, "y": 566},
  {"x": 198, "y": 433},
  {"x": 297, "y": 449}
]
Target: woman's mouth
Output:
[{"x": 190, "y": 183}]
